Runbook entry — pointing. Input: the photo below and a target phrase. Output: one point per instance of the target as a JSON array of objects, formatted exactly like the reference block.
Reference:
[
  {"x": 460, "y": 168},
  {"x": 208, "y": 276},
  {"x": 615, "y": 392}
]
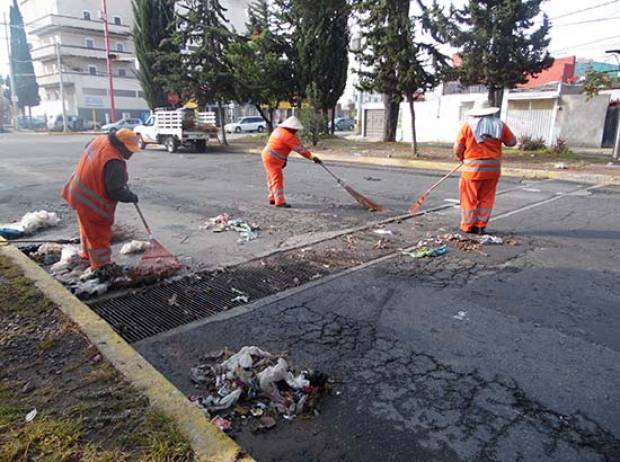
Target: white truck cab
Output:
[{"x": 179, "y": 127}]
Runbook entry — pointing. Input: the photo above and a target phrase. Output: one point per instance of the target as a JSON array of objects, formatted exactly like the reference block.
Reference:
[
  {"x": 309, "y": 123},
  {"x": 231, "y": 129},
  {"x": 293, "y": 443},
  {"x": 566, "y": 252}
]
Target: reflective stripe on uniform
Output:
[
  {"x": 103, "y": 255},
  {"x": 105, "y": 204},
  {"x": 276, "y": 154},
  {"x": 77, "y": 195},
  {"x": 481, "y": 161}
]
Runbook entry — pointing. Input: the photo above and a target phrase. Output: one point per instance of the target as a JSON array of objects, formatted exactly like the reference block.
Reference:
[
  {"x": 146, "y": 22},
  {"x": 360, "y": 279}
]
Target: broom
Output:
[
  {"x": 157, "y": 260},
  {"x": 360, "y": 198},
  {"x": 417, "y": 204}
]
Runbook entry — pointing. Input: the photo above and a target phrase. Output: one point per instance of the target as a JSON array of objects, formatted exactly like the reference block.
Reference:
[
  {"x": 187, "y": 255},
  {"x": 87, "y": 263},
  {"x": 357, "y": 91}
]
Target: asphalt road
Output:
[{"x": 508, "y": 356}]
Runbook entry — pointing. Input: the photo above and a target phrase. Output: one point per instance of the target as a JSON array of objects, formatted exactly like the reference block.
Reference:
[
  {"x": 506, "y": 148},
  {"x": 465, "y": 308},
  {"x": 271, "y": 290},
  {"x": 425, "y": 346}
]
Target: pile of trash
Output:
[
  {"x": 224, "y": 222},
  {"x": 134, "y": 247},
  {"x": 254, "y": 388},
  {"x": 29, "y": 224},
  {"x": 436, "y": 247}
]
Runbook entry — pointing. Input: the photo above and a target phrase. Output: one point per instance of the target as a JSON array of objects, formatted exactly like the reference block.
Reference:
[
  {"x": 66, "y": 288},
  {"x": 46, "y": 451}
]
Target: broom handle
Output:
[
  {"x": 340, "y": 182},
  {"x": 148, "y": 230},
  {"x": 443, "y": 178}
]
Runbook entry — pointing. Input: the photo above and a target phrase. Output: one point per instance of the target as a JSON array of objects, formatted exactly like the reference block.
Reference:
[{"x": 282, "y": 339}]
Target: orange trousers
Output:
[
  {"x": 477, "y": 200},
  {"x": 96, "y": 239},
  {"x": 275, "y": 178}
]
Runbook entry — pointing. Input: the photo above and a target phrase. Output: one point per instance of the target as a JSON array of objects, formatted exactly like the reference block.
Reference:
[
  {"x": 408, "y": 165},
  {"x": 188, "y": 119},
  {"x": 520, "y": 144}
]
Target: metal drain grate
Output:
[{"x": 150, "y": 311}]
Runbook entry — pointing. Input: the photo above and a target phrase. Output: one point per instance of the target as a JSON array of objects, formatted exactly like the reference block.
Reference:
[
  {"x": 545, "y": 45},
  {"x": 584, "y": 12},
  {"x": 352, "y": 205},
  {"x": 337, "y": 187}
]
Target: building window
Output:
[
  {"x": 117, "y": 20},
  {"x": 122, "y": 73},
  {"x": 92, "y": 69},
  {"x": 90, "y": 43},
  {"x": 86, "y": 15},
  {"x": 120, "y": 47}
]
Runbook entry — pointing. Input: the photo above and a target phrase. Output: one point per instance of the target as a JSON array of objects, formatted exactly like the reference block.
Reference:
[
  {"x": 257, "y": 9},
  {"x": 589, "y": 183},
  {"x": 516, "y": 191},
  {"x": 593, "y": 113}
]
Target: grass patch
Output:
[{"x": 19, "y": 295}]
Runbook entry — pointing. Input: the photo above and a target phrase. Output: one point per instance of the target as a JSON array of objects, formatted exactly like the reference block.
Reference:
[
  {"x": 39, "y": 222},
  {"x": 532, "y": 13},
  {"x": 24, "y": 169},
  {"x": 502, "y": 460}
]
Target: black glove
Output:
[
  {"x": 316, "y": 160},
  {"x": 134, "y": 198}
]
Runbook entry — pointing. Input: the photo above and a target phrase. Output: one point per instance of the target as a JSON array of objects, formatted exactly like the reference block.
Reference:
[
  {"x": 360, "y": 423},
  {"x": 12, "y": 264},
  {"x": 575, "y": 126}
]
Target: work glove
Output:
[
  {"x": 316, "y": 160},
  {"x": 134, "y": 198}
]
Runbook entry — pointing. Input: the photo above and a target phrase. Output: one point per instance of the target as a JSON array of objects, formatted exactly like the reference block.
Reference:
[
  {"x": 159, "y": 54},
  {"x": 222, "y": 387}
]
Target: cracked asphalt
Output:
[{"x": 510, "y": 355}]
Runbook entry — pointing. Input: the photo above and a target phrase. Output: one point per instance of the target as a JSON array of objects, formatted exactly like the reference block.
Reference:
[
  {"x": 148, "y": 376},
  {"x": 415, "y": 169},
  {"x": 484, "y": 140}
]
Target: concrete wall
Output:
[{"x": 581, "y": 123}]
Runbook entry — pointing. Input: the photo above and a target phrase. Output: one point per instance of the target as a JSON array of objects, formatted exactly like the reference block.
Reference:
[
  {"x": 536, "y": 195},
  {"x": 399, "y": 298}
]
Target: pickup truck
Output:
[{"x": 180, "y": 127}]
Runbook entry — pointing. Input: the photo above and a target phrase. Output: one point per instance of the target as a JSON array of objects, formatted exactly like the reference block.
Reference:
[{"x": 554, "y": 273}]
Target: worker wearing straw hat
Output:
[
  {"x": 282, "y": 141},
  {"x": 97, "y": 185},
  {"x": 479, "y": 147}
]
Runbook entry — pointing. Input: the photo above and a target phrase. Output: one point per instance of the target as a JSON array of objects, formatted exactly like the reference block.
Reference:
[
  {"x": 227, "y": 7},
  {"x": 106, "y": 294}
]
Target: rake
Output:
[
  {"x": 417, "y": 204},
  {"x": 360, "y": 198},
  {"x": 157, "y": 260}
]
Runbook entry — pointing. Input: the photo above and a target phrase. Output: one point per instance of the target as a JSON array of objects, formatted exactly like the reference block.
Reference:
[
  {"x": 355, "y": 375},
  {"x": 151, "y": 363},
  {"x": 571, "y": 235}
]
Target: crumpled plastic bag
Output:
[
  {"x": 243, "y": 358},
  {"x": 425, "y": 251},
  {"x": 90, "y": 287},
  {"x": 490, "y": 239},
  {"x": 214, "y": 403},
  {"x": 280, "y": 371},
  {"x": 134, "y": 247},
  {"x": 69, "y": 258},
  {"x": 33, "y": 221}
]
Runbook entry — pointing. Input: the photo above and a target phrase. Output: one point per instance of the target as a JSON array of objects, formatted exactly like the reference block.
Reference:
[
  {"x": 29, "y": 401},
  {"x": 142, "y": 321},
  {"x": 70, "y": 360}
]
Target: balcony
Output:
[
  {"x": 48, "y": 53},
  {"x": 70, "y": 78},
  {"x": 53, "y": 22}
]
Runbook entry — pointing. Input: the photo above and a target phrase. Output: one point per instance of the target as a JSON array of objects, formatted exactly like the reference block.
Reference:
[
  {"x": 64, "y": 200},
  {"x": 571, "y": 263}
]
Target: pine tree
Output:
[
  {"x": 199, "y": 70},
  {"x": 26, "y": 87},
  {"x": 385, "y": 35},
  {"x": 497, "y": 41},
  {"x": 323, "y": 47},
  {"x": 153, "y": 22},
  {"x": 258, "y": 64}
]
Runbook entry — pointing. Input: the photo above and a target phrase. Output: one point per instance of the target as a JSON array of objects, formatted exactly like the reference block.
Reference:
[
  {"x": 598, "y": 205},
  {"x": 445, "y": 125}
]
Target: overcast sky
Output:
[{"x": 586, "y": 34}]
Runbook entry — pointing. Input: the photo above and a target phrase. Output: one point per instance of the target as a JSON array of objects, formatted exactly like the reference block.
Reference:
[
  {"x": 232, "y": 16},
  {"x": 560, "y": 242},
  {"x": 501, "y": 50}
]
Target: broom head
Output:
[
  {"x": 158, "y": 261},
  {"x": 363, "y": 200},
  {"x": 416, "y": 207}
]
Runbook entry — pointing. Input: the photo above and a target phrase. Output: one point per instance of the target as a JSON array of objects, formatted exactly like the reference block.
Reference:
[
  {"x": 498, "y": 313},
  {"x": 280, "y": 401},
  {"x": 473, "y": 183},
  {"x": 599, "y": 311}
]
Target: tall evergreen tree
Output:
[
  {"x": 497, "y": 41},
  {"x": 26, "y": 87},
  {"x": 323, "y": 50},
  {"x": 258, "y": 64},
  {"x": 153, "y": 26},
  {"x": 385, "y": 34},
  {"x": 199, "y": 70}
]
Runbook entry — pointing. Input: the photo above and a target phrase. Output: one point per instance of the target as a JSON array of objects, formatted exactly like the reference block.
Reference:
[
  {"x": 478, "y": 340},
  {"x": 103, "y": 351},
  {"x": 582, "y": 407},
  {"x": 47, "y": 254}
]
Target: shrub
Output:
[{"x": 529, "y": 143}]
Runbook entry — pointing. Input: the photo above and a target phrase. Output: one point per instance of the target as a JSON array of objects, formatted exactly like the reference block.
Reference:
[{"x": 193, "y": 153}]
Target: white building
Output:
[{"x": 75, "y": 29}]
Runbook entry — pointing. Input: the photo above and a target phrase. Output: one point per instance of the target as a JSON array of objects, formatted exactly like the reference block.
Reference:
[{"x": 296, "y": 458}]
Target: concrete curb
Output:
[
  {"x": 207, "y": 441},
  {"x": 572, "y": 176}
]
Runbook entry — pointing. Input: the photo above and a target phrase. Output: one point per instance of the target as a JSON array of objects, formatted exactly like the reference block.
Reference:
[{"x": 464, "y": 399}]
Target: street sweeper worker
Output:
[
  {"x": 479, "y": 147},
  {"x": 98, "y": 183},
  {"x": 282, "y": 141}
]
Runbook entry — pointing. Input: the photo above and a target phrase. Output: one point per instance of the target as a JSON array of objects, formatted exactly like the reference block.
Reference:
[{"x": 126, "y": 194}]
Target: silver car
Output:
[{"x": 247, "y": 124}]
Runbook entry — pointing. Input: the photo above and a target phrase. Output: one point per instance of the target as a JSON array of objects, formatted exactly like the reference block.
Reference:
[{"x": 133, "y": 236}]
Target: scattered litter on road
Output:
[
  {"x": 461, "y": 316},
  {"x": 224, "y": 222},
  {"x": 69, "y": 259},
  {"x": 33, "y": 221},
  {"x": 425, "y": 251},
  {"x": 172, "y": 301},
  {"x": 134, "y": 247},
  {"x": 222, "y": 424},
  {"x": 10, "y": 233},
  {"x": 31, "y": 415},
  {"x": 255, "y": 384},
  {"x": 241, "y": 298},
  {"x": 489, "y": 239},
  {"x": 381, "y": 244},
  {"x": 383, "y": 232},
  {"x": 561, "y": 166},
  {"x": 90, "y": 287},
  {"x": 370, "y": 178}
]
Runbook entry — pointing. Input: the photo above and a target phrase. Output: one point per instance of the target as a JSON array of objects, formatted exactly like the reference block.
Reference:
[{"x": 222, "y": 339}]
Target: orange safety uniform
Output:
[
  {"x": 481, "y": 172},
  {"x": 279, "y": 146},
  {"x": 85, "y": 192}
]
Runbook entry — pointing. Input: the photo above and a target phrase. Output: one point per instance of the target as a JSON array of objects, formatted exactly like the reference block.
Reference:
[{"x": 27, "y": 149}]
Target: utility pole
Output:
[
  {"x": 108, "y": 60},
  {"x": 62, "y": 89},
  {"x": 11, "y": 75},
  {"x": 616, "y": 152}
]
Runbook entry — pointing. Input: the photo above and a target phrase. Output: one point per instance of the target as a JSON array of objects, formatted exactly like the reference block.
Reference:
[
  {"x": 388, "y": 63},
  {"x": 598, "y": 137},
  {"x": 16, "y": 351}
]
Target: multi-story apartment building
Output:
[{"x": 74, "y": 29}]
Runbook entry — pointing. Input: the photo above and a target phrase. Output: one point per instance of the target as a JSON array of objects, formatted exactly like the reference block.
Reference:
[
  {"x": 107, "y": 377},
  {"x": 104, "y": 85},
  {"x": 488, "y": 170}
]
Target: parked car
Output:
[
  {"x": 74, "y": 123},
  {"x": 247, "y": 124},
  {"x": 123, "y": 123},
  {"x": 30, "y": 123},
  {"x": 343, "y": 124}
]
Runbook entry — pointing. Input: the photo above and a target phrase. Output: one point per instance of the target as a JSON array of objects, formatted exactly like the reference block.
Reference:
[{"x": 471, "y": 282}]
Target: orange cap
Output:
[{"x": 129, "y": 139}]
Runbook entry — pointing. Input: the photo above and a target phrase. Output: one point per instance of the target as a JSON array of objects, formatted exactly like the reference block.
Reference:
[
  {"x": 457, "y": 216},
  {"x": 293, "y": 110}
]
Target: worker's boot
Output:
[
  {"x": 284, "y": 205},
  {"x": 481, "y": 231},
  {"x": 473, "y": 230},
  {"x": 272, "y": 202}
]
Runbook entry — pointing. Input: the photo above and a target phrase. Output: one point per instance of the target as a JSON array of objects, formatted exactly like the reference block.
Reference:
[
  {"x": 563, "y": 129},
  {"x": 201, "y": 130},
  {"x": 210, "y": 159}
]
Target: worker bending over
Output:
[
  {"x": 479, "y": 147},
  {"x": 282, "y": 141},
  {"x": 97, "y": 185}
]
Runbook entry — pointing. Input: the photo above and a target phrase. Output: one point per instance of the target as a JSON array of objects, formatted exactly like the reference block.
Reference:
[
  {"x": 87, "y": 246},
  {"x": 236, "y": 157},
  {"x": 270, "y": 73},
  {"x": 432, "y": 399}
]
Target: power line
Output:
[
  {"x": 581, "y": 45},
  {"x": 586, "y": 9},
  {"x": 586, "y": 22}
]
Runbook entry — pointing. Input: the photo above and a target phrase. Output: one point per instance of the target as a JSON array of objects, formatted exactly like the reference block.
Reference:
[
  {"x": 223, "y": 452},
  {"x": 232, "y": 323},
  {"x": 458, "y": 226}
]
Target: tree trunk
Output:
[
  {"x": 333, "y": 128},
  {"x": 220, "y": 107},
  {"x": 491, "y": 96},
  {"x": 325, "y": 120},
  {"x": 390, "y": 122},
  {"x": 414, "y": 136},
  {"x": 267, "y": 119},
  {"x": 496, "y": 96}
]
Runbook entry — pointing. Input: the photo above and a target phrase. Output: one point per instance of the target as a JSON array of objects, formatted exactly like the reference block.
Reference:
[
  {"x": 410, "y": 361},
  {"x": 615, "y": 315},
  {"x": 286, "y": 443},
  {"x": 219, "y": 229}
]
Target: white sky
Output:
[{"x": 599, "y": 28}]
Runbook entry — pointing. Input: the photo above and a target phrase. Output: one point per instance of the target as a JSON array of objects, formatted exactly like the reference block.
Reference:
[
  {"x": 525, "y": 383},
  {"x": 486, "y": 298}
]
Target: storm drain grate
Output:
[{"x": 153, "y": 310}]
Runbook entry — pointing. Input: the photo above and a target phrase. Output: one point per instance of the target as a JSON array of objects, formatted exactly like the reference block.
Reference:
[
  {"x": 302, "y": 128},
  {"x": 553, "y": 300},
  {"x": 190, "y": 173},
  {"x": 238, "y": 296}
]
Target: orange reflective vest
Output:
[
  {"x": 282, "y": 142},
  {"x": 85, "y": 190},
  {"x": 482, "y": 160}
]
